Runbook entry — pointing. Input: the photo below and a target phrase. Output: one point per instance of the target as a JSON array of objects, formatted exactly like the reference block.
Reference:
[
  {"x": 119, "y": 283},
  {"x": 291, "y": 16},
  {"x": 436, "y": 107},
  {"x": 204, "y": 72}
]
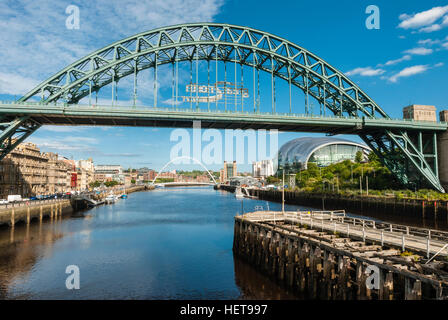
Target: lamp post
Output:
[
  {"x": 367, "y": 185},
  {"x": 283, "y": 168},
  {"x": 283, "y": 192},
  {"x": 351, "y": 172},
  {"x": 360, "y": 185},
  {"x": 323, "y": 195}
]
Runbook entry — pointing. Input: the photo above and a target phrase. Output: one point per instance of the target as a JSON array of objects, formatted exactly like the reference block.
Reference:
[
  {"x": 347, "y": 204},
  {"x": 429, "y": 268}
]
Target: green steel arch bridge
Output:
[{"x": 408, "y": 148}]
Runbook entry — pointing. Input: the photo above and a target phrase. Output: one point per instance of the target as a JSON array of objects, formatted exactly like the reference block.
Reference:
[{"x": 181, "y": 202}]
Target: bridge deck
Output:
[{"x": 60, "y": 114}]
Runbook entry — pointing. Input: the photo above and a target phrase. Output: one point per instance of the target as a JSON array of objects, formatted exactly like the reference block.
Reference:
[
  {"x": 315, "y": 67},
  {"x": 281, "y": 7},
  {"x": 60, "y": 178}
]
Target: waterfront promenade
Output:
[
  {"x": 12, "y": 213},
  {"x": 27, "y": 211}
]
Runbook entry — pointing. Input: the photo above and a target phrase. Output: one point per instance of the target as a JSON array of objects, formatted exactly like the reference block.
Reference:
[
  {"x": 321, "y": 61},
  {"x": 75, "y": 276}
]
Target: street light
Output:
[
  {"x": 283, "y": 192},
  {"x": 283, "y": 168},
  {"x": 351, "y": 171}
]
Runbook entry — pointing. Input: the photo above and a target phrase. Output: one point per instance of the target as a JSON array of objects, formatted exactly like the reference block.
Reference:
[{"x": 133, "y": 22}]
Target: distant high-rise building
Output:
[
  {"x": 263, "y": 168},
  {"x": 228, "y": 171}
]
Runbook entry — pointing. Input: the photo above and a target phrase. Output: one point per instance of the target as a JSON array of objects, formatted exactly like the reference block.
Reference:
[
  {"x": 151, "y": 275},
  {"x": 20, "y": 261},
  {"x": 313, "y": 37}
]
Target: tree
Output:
[
  {"x": 95, "y": 184},
  {"x": 272, "y": 180},
  {"x": 373, "y": 157},
  {"x": 359, "y": 157},
  {"x": 111, "y": 183},
  {"x": 313, "y": 169},
  {"x": 133, "y": 181}
]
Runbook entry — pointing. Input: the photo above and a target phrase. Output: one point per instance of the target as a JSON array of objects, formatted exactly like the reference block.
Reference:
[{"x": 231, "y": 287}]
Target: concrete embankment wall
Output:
[
  {"x": 23, "y": 212},
  {"x": 120, "y": 191},
  {"x": 138, "y": 188}
]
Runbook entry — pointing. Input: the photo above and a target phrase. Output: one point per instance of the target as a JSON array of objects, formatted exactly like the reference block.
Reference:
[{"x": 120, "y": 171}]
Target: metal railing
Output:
[
  {"x": 30, "y": 203},
  {"x": 176, "y": 109},
  {"x": 408, "y": 238}
]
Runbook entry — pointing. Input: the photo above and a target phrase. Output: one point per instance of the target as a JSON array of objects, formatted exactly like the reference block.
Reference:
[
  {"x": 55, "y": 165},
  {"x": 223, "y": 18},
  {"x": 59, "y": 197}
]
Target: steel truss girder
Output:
[
  {"x": 180, "y": 43},
  {"x": 412, "y": 164},
  {"x": 14, "y": 132}
]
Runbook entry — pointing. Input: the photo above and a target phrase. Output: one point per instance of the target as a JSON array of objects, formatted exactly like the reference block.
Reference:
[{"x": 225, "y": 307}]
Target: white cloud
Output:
[
  {"x": 392, "y": 62},
  {"x": 63, "y": 128},
  {"x": 428, "y": 42},
  {"x": 431, "y": 28},
  {"x": 57, "y": 146},
  {"x": 39, "y": 45},
  {"x": 85, "y": 140},
  {"x": 404, "y": 16},
  {"x": 409, "y": 71},
  {"x": 61, "y": 145},
  {"x": 440, "y": 64},
  {"x": 422, "y": 19},
  {"x": 121, "y": 155},
  {"x": 65, "y": 144},
  {"x": 419, "y": 51},
  {"x": 172, "y": 101},
  {"x": 367, "y": 72},
  {"x": 11, "y": 83}
]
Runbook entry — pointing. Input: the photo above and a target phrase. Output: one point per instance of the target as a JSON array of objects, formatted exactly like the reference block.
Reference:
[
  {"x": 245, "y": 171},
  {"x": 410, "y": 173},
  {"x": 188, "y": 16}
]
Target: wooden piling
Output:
[{"x": 305, "y": 261}]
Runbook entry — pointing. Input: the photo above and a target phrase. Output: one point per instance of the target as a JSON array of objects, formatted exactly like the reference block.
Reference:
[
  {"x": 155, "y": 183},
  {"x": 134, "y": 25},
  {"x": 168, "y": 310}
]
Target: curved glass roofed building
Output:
[{"x": 295, "y": 154}]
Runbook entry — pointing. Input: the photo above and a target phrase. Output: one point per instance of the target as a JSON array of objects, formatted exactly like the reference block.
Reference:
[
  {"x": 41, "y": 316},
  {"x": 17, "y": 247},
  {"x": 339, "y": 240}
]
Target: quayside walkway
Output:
[{"x": 12, "y": 213}]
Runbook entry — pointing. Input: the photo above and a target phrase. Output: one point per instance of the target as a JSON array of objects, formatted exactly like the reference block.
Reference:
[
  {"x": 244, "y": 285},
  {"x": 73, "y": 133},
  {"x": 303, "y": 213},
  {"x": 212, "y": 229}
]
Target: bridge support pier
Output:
[{"x": 442, "y": 147}]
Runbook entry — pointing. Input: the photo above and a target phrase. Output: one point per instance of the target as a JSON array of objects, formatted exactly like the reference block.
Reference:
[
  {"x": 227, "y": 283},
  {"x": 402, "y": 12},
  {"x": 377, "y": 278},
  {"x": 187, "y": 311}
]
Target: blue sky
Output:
[{"x": 402, "y": 63}]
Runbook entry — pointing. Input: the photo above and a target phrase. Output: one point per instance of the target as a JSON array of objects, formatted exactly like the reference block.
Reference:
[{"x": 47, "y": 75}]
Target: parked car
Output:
[
  {"x": 34, "y": 198},
  {"x": 3, "y": 201},
  {"x": 14, "y": 198}
]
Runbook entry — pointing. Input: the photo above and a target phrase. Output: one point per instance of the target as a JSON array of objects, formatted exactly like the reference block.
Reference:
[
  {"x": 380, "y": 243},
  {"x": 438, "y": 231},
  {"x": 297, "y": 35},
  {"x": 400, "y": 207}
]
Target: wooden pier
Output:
[
  {"x": 329, "y": 255},
  {"x": 27, "y": 212}
]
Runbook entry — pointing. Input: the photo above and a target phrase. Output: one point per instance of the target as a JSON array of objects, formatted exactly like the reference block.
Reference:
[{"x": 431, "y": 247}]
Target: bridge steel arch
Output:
[
  {"x": 402, "y": 151},
  {"x": 184, "y": 157}
]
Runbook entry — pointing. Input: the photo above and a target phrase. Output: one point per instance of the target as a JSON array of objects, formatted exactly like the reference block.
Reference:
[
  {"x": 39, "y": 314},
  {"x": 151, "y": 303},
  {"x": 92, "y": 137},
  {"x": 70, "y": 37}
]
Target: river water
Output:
[{"x": 172, "y": 243}]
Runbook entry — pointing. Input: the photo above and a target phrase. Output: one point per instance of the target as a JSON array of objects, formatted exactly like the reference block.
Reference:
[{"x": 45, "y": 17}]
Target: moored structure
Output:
[{"x": 328, "y": 255}]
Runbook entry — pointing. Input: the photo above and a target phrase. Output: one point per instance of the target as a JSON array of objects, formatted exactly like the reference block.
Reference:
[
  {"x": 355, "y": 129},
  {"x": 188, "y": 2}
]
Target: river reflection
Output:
[{"x": 173, "y": 243}]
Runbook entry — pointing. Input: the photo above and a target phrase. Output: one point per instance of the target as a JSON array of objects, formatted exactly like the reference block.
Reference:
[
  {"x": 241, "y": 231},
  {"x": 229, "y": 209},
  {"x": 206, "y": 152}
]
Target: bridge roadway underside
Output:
[{"x": 73, "y": 115}]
